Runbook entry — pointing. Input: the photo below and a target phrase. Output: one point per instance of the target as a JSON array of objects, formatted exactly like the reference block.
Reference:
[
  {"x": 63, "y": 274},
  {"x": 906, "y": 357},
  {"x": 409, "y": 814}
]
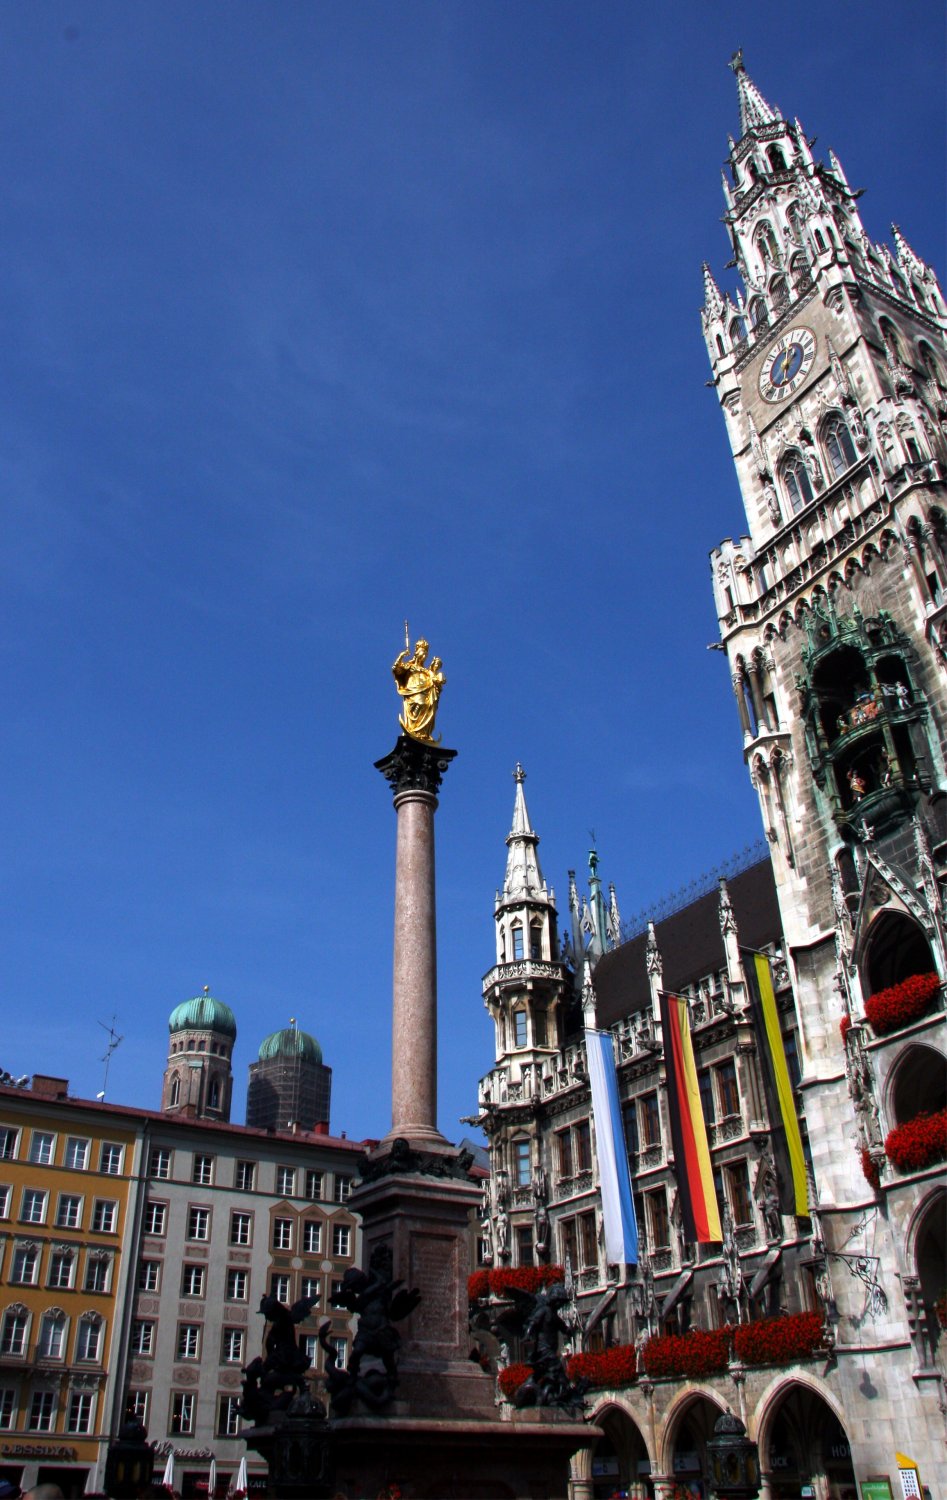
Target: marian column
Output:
[{"x": 415, "y": 768}]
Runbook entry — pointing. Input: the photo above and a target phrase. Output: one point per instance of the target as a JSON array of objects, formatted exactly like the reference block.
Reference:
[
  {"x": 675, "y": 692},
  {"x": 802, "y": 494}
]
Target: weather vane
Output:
[{"x": 420, "y": 687}]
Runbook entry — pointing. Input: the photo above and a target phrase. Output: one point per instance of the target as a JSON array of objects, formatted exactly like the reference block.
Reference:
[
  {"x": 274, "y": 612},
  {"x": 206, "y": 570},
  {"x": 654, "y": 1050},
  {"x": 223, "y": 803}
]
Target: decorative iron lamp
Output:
[{"x": 734, "y": 1460}]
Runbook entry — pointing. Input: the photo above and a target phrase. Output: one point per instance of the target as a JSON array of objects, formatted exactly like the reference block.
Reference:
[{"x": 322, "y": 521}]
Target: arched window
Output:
[
  {"x": 736, "y": 331},
  {"x": 517, "y": 943},
  {"x": 521, "y": 1163},
  {"x": 890, "y": 335},
  {"x": 535, "y": 941},
  {"x": 757, "y": 311},
  {"x": 778, "y": 290},
  {"x": 175, "y": 1090},
  {"x": 820, "y": 239},
  {"x": 519, "y": 1028},
  {"x": 776, "y": 159},
  {"x": 796, "y": 481},
  {"x": 930, "y": 364},
  {"x": 766, "y": 244},
  {"x": 838, "y": 445},
  {"x": 798, "y": 269},
  {"x": 721, "y": 347},
  {"x": 213, "y": 1094}
]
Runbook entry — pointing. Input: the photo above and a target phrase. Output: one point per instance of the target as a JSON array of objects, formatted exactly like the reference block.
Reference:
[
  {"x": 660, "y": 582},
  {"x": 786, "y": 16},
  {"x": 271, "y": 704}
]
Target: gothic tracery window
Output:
[
  {"x": 796, "y": 481},
  {"x": 838, "y": 445}
]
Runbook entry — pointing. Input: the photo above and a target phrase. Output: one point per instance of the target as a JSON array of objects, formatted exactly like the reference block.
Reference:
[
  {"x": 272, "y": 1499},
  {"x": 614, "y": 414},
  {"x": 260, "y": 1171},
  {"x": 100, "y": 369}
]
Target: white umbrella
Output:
[
  {"x": 212, "y": 1480},
  {"x": 168, "y": 1479},
  {"x": 242, "y": 1483}
]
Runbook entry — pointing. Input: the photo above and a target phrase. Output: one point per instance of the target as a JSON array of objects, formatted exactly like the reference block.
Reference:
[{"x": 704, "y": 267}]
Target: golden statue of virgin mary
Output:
[{"x": 420, "y": 687}]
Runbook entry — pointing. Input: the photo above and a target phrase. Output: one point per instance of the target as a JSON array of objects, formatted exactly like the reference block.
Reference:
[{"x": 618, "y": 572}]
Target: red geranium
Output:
[
  {"x": 919, "y": 1143},
  {"x": 524, "y": 1278},
  {"x": 510, "y": 1379},
  {"x": 779, "y": 1341},
  {"x": 700, "y": 1352},
  {"x": 504, "y": 1278},
  {"x": 608, "y": 1368},
  {"x": 870, "y": 1170},
  {"x": 478, "y": 1285},
  {"x": 845, "y": 1026},
  {"x": 901, "y": 1004}
]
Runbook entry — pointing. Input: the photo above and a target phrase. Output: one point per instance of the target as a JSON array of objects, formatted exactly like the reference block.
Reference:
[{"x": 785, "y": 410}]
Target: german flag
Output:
[
  {"x": 695, "y": 1182},
  {"x": 777, "y": 1086}
]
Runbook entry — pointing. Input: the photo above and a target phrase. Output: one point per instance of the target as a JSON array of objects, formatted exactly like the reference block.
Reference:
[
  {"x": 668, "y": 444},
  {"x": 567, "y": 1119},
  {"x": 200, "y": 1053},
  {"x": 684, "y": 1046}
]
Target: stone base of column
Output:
[{"x": 444, "y": 1433}]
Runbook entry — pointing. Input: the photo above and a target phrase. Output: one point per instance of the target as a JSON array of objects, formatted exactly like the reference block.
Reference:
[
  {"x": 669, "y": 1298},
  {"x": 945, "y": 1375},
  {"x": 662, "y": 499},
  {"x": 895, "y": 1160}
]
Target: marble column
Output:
[{"x": 414, "y": 771}]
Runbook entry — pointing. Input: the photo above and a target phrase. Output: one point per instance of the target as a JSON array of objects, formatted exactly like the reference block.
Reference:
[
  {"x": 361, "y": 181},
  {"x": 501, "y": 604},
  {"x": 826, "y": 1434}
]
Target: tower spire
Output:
[
  {"x": 754, "y": 110},
  {"x": 523, "y": 875}
]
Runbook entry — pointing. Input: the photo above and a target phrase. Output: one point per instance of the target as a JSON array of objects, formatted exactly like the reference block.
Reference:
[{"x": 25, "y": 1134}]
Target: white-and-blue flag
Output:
[{"x": 618, "y": 1209}]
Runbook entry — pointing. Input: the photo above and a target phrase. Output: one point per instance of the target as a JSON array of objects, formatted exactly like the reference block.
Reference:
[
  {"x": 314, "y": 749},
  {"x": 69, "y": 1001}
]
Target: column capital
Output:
[{"x": 414, "y": 767}]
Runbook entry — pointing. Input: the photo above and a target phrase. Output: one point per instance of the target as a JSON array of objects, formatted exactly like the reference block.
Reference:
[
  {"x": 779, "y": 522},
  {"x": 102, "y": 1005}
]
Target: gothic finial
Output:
[
  {"x": 713, "y": 301},
  {"x": 754, "y": 110},
  {"x": 728, "y": 922},
  {"x": 653, "y": 963},
  {"x": 907, "y": 257},
  {"x": 519, "y": 775}
]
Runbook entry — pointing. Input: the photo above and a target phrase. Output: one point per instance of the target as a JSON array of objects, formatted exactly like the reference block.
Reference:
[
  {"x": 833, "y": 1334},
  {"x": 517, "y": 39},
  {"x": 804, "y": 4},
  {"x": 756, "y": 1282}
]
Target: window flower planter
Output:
[
  {"x": 607, "y": 1368},
  {"x": 510, "y": 1379},
  {"x": 703, "y": 1351},
  {"x": 903, "y": 1003},
  {"x": 919, "y": 1143},
  {"x": 502, "y": 1280},
  {"x": 779, "y": 1341}
]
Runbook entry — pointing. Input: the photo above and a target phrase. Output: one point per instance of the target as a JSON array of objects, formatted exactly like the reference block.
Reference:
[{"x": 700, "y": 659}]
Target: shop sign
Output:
[
  {"x": 876, "y": 1487},
  {"x": 807, "y": 1491},
  {"x": 38, "y": 1450},
  {"x": 602, "y": 1466},
  {"x": 840, "y": 1450}
]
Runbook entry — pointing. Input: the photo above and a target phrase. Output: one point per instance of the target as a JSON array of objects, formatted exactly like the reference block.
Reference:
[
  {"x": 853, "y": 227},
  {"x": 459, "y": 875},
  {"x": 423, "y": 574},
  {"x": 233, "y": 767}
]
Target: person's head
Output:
[{"x": 43, "y": 1492}]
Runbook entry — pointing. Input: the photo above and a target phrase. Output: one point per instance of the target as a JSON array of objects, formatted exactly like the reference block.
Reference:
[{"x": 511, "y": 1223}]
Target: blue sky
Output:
[{"x": 317, "y": 316}]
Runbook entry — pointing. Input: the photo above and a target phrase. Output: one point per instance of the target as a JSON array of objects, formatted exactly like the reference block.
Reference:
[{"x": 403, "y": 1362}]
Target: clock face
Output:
[{"x": 787, "y": 364}]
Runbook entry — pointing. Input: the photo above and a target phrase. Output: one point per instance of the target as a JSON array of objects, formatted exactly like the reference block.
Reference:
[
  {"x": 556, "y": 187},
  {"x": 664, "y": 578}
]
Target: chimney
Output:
[{"x": 50, "y": 1088}]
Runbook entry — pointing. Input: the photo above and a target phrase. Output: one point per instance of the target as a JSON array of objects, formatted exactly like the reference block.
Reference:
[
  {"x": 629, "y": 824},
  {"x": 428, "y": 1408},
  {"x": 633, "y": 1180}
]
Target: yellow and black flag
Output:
[{"x": 777, "y": 1086}]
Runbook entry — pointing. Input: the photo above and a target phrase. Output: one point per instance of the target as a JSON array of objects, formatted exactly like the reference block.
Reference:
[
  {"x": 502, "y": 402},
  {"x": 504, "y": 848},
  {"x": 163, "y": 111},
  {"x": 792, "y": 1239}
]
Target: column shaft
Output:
[{"x": 414, "y": 991}]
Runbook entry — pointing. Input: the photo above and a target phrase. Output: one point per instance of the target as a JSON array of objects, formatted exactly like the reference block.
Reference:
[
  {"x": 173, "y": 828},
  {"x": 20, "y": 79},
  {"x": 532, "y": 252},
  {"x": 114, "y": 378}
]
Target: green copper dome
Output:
[
  {"x": 290, "y": 1043},
  {"x": 203, "y": 1013}
]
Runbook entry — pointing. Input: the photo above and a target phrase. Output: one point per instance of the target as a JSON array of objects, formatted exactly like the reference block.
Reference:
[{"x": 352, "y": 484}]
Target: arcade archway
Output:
[
  {"x": 620, "y": 1464},
  {"x": 805, "y": 1449},
  {"x": 687, "y": 1445}
]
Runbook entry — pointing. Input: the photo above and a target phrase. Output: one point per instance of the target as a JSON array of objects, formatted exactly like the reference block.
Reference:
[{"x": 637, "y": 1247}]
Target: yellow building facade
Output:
[{"x": 68, "y": 1194}]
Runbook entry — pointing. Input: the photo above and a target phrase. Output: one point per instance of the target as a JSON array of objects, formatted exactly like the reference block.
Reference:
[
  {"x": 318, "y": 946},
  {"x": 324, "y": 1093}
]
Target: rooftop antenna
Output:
[{"x": 114, "y": 1040}]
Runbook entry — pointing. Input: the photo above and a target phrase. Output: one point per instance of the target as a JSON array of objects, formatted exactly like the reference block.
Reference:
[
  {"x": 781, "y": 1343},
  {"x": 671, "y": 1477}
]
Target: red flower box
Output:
[
  {"x": 919, "y": 1143},
  {"x": 700, "y": 1352},
  {"x": 510, "y": 1379},
  {"x": 504, "y": 1278},
  {"x": 903, "y": 1003},
  {"x": 607, "y": 1368},
  {"x": 779, "y": 1341},
  {"x": 870, "y": 1170}
]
